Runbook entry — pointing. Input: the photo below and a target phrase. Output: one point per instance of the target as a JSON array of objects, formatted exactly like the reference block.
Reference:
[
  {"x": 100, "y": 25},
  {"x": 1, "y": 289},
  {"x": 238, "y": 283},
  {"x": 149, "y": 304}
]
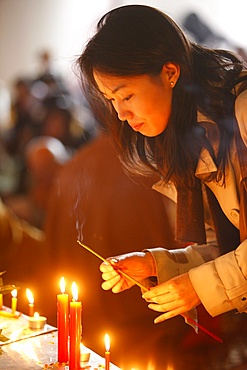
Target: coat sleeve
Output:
[
  {"x": 171, "y": 263},
  {"x": 226, "y": 278}
]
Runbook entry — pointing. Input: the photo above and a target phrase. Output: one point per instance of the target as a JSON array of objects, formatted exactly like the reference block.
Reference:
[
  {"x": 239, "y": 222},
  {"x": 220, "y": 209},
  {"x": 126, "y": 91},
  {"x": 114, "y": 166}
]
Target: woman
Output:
[{"x": 171, "y": 107}]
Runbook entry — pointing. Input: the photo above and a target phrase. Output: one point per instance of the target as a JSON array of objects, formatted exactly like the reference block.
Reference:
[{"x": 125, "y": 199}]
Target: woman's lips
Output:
[{"x": 137, "y": 126}]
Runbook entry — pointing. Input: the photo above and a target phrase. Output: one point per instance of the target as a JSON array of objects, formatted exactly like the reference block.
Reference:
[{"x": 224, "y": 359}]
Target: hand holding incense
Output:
[
  {"x": 189, "y": 320},
  {"x": 115, "y": 268}
]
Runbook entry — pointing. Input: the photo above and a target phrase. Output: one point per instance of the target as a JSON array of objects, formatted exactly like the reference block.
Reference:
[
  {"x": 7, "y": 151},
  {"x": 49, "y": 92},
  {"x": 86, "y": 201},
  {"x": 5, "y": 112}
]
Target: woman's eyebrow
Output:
[
  {"x": 115, "y": 90},
  {"x": 118, "y": 88}
]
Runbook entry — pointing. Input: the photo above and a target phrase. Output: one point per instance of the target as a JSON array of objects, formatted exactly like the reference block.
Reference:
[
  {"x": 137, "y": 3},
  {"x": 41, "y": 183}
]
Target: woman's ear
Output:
[{"x": 171, "y": 73}]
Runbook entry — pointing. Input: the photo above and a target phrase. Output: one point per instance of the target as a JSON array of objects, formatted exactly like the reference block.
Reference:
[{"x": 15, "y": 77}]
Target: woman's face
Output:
[{"x": 143, "y": 101}]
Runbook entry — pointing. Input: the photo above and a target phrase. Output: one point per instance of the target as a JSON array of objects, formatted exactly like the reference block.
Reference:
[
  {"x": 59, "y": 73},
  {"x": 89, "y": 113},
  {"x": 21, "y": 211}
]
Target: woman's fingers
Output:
[
  {"x": 119, "y": 272},
  {"x": 106, "y": 267},
  {"x": 109, "y": 275},
  {"x": 173, "y": 297},
  {"x": 115, "y": 284},
  {"x": 167, "y": 315},
  {"x": 170, "y": 310}
]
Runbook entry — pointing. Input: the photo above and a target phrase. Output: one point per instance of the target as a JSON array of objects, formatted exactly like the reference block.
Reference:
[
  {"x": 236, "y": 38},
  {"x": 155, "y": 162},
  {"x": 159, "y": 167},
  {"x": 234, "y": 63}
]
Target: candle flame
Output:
[
  {"x": 36, "y": 315},
  {"x": 62, "y": 284},
  {"x": 107, "y": 343},
  {"x": 74, "y": 291},
  {"x": 14, "y": 293},
  {"x": 29, "y": 296}
]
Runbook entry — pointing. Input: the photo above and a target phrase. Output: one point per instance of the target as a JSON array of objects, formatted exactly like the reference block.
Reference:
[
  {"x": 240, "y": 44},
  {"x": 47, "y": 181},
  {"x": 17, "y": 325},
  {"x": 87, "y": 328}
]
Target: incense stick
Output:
[
  {"x": 115, "y": 268},
  {"x": 189, "y": 319}
]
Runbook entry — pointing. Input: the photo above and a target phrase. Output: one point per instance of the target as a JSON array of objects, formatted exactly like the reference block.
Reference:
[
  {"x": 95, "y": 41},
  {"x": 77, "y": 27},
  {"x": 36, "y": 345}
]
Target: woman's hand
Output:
[
  {"x": 174, "y": 297},
  {"x": 138, "y": 265}
]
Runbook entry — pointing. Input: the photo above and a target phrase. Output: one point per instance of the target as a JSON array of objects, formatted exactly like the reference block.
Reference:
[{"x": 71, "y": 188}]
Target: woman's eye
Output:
[
  {"x": 127, "y": 97},
  {"x": 111, "y": 101}
]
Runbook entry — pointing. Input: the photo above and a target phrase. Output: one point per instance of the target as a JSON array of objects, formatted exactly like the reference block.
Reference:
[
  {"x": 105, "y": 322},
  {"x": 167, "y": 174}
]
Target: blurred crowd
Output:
[{"x": 46, "y": 124}]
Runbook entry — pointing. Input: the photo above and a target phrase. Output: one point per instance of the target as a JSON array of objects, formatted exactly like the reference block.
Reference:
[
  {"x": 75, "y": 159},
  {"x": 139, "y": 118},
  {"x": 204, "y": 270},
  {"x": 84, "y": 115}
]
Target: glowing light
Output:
[
  {"x": 36, "y": 315},
  {"x": 74, "y": 291},
  {"x": 30, "y": 296},
  {"x": 62, "y": 285},
  {"x": 14, "y": 293},
  {"x": 107, "y": 343}
]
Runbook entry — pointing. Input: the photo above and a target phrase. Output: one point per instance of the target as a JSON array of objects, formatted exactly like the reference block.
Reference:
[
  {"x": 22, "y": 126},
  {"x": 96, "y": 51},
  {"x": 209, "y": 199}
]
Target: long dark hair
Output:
[{"x": 134, "y": 40}]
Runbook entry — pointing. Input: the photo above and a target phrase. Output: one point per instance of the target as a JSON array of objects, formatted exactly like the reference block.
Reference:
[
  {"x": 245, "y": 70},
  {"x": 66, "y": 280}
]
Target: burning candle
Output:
[
  {"x": 31, "y": 302},
  {"x": 1, "y": 301},
  {"x": 75, "y": 330},
  {"x": 63, "y": 323},
  {"x": 36, "y": 321},
  {"x": 107, "y": 352},
  {"x": 14, "y": 300}
]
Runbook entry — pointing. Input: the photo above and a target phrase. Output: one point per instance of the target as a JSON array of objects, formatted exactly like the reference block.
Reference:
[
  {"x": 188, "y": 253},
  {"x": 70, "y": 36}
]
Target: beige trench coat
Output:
[{"x": 219, "y": 281}]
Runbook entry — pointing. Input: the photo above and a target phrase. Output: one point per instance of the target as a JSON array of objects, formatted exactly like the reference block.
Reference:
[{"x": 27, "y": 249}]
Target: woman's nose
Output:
[{"x": 123, "y": 113}]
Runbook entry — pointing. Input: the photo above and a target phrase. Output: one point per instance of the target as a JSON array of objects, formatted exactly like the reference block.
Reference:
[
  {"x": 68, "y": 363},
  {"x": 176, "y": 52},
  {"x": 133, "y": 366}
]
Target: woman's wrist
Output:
[{"x": 150, "y": 263}]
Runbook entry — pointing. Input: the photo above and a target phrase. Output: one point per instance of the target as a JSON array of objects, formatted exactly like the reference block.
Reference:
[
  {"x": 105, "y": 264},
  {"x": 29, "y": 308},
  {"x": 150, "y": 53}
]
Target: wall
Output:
[{"x": 29, "y": 26}]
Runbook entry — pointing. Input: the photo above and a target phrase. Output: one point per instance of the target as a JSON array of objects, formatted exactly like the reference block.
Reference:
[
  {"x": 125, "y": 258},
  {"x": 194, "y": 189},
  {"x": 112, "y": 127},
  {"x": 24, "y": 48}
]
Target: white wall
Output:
[
  {"x": 224, "y": 17},
  {"x": 29, "y": 26}
]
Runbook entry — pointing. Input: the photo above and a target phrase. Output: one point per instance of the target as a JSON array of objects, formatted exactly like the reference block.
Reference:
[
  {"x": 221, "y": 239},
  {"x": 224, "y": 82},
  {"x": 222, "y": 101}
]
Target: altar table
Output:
[{"x": 26, "y": 349}]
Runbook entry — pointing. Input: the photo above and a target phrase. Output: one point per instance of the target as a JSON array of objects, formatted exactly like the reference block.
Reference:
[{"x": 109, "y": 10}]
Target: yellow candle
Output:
[
  {"x": 1, "y": 301},
  {"x": 14, "y": 300}
]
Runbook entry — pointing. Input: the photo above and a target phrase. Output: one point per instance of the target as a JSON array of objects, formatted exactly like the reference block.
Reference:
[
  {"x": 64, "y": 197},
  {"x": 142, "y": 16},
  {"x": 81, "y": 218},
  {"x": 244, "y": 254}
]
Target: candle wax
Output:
[
  {"x": 14, "y": 300},
  {"x": 14, "y": 304},
  {"x": 63, "y": 326},
  {"x": 30, "y": 309},
  {"x": 75, "y": 335},
  {"x": 107, "y": 360}
]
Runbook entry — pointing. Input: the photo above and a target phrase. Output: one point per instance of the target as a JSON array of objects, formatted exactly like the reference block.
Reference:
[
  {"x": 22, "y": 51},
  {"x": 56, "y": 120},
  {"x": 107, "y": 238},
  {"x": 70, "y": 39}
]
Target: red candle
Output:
[
  {"x": 107, "y": 352},
  {"x": 75, "y": 330},
  {"x": 63, "y": 323},
  {"x": 31, "y": 302}
]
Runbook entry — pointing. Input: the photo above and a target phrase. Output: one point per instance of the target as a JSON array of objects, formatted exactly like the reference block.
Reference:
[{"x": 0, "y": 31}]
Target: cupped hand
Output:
[
  {"x": 138, "y": 265},
  {"x": 174, "y": 297}
]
